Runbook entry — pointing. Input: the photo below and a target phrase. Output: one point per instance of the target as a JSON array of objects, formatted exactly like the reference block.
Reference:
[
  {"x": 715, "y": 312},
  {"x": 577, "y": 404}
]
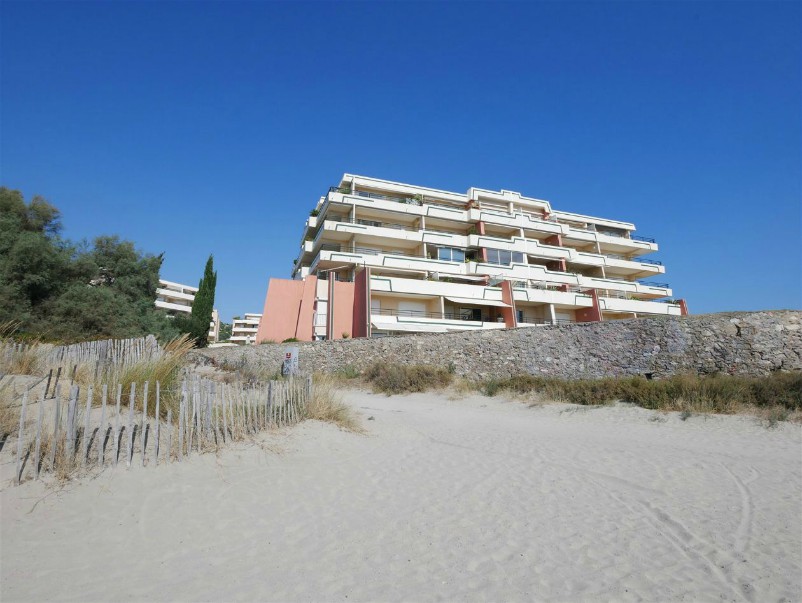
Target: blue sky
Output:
[{"x": 194, "y": 128}]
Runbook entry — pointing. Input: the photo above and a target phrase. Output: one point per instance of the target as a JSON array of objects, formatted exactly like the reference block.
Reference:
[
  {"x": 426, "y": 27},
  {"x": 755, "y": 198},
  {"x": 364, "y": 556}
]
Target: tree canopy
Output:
[{"x": 58, "y": 289}]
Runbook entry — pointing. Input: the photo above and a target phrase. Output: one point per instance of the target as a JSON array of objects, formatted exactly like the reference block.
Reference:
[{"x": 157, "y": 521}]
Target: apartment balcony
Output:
[
  {"x": 166, "y": 305},
  {"x": 382, "y": 234},
  {"x": 171, "y": 294},
  {"x": 609, "y": 243},
  {"x": 395, "y": 260},
  {"x": 244, "y": 330},
  {"x": 428, "y": 322},
  {"x": 623, "y": 304},
  {"x": 478, "y": 294},
  {"x": 517, "y": 220},
  {"x": 567, "y": 299}
]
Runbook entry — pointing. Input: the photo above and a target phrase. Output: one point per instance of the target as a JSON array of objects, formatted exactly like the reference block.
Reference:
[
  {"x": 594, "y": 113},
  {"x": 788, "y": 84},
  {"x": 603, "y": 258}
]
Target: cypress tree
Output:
[{"x": 203, "y": 305}]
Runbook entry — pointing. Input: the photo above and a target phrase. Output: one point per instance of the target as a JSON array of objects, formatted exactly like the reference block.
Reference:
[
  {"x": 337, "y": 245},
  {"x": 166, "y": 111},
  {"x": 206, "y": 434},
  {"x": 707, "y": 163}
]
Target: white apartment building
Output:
[
  {"x": 243, "y": 330},
  {"x": 175, "y": 297},
  {"x": 398, "y": 258}
]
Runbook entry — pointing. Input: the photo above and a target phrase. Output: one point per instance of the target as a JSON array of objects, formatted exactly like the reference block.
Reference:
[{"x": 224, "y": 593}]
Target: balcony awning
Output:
[
  {"x": 478, "y": 302},
  {"x": 384, "y": 325}
]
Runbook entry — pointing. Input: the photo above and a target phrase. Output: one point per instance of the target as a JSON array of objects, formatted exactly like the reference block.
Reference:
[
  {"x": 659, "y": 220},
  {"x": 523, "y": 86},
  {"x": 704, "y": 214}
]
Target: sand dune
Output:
[{"x": 476, "y": 499}]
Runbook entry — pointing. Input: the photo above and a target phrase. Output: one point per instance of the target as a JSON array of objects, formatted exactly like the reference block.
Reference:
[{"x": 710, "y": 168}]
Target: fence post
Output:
[
  {"x": 131, "y": 401},
  {"x": 21, "y": 436},
  {"x": 158, "y": 422},
  {"x": 85, "y": 440},
  {"x": 182, "y": 411},
  {"x": 70, "y": 430},
  {"x": 56, "y": 421},
  {"x": 223, "y": 406},
  {"x": 39, "y": 435},
  {"x": 103, "y": 430},
  {"x": 169, "y": 434},
  {"x": 117, "y": 425},
  {"x": 271, "y": 420}
]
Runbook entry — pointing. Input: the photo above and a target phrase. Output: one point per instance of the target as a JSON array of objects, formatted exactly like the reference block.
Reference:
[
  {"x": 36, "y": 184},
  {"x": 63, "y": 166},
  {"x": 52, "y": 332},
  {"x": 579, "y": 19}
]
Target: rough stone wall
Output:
[{"x": 745, "y": 343}]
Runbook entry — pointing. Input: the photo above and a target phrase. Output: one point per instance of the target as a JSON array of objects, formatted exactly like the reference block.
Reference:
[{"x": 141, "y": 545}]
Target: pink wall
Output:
[
  {"x": 341, "y": 309},
  {"x": 288, "y": 311},
  {"x": 304, "y": 328}
]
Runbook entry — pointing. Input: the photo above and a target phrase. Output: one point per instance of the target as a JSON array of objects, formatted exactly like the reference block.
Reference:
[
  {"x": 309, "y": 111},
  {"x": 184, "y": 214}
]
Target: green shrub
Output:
[{"x": 347, "y": 372}]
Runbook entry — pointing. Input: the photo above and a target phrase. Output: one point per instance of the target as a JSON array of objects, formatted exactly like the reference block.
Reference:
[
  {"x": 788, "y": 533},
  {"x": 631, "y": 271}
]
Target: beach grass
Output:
[
  {"x": 327, "y": 405},
  {"x": 399, "y": 378}
]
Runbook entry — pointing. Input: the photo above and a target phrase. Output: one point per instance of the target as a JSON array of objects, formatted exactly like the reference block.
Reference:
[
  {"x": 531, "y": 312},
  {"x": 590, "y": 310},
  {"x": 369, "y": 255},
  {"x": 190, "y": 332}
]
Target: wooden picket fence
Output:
[
  {"x": 117, "y": 352},
  {"x": 69, "y": 435}
]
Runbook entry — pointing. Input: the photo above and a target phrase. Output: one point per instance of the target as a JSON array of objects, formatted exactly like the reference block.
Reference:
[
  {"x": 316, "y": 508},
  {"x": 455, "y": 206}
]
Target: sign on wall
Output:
[{"x": 290, "y": 364}]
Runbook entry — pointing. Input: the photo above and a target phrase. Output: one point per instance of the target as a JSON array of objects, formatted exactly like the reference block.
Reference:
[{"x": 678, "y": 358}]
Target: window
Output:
[
  {"x": 450, "y": 254},
  {"x": 504, "y": 258}
]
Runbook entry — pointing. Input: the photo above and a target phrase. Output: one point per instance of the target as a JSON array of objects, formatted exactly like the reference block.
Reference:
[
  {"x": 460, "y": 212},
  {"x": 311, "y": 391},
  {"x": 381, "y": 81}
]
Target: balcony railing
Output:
[
  {"x": 616, "y": 256},
  {"x": 532, "y": 320},
  {"x": 345, "y": 191},
  {"x": 644, "y": 239},
  {"x": 435, "y": 315},
  {"x": 654, "y": 284}
]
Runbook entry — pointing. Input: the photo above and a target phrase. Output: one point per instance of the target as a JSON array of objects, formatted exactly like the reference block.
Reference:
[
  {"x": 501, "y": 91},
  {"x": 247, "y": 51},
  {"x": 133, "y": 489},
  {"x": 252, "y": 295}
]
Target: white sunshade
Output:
[
  {"x": 478, "y": 302},
  {"x": 401, "y": 326}
]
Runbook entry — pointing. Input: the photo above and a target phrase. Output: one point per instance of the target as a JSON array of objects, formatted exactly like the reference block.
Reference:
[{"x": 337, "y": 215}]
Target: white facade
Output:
[
  {"x": 438, "y": 259},
  {"x": 243, "y": 330},
  {"x": 176, "y": 297}
]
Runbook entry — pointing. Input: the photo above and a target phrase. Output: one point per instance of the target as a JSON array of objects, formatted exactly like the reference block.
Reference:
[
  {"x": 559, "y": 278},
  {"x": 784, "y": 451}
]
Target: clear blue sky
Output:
[{"x": 194, "y": 128}]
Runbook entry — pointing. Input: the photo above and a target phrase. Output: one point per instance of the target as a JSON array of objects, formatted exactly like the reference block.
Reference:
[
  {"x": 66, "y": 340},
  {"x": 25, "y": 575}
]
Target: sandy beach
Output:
[{"x": 474, "y": 499}]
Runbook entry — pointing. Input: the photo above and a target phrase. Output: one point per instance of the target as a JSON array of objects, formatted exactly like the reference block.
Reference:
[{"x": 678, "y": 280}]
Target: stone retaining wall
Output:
[{"x": 745, "y": 343}]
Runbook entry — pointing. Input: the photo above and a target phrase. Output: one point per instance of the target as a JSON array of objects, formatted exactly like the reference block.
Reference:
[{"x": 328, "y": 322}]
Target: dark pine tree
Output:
[{"x": 203, "y": 305}]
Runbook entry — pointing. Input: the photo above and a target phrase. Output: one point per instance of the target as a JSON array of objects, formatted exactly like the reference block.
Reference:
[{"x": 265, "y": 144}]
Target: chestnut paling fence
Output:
[{"x": 83, "y": 428}]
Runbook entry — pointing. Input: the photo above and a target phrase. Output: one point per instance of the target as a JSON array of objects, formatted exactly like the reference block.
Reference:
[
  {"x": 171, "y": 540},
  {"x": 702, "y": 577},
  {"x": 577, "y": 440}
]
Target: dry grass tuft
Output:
[
  {"x": 400, "y": 379},
  {"x": 327, "y": 405},
  {"x": 777, "y": 397},
  {"x": 9, "y": 411}
]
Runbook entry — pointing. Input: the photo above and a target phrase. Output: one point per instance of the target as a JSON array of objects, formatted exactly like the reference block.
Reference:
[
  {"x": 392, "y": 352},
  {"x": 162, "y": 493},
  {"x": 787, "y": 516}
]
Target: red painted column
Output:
[
  {"x": 509, "y": 314},
  {"x": 480, "y": 228},
  {"x": 683, "y": 307},
  {"x": 555, "y": 240},
  {"x": 592, "y": 314},
  {"x": 361, "y": 310}
]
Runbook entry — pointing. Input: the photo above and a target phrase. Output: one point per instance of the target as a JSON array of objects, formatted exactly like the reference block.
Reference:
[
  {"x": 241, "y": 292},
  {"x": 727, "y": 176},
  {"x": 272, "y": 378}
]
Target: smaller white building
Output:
[
  {"x": 243, "y": 330},
  {"x": 175, "y": 297}
]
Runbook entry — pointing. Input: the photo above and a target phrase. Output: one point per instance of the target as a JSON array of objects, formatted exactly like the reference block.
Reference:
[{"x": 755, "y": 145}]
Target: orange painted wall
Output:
[
  {"x": 341, "y": 309},
  {"x": 509, "y": 314},
  {"x": 592, "y": 314},
  {"x": 289, "y": 305}
]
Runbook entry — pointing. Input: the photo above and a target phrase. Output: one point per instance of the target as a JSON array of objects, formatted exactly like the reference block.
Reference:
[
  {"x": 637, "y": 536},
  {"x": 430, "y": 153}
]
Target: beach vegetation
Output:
[
  {"x": 687, "y": 393},
  {"x": 399, "y": 379},
  {"x": 326, "y": 404}
]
